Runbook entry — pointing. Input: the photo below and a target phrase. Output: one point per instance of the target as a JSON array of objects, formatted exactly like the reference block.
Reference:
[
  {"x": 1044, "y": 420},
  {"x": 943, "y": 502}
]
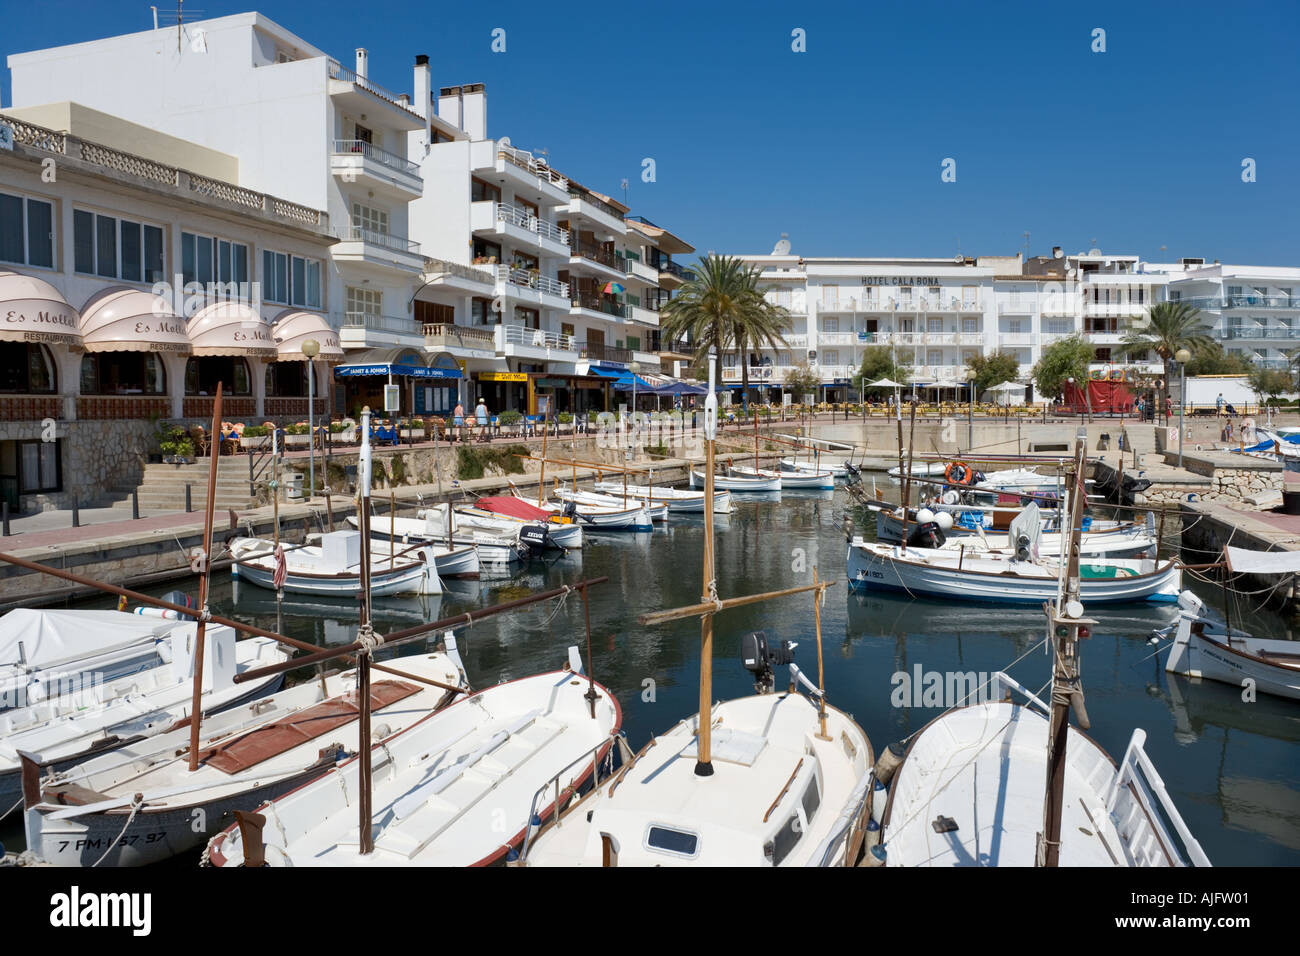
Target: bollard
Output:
[
  {"x": 76, "y": 513},
  {"x": 188, "y": 508},
  {"x": 4, "y": 516},
  {"x": 135, "y": 503}
]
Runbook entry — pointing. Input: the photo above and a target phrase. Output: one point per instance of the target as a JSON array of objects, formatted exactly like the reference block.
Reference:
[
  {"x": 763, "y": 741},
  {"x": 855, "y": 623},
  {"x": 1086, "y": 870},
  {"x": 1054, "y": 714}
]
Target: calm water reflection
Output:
[{"x": 1233, "y": 768}]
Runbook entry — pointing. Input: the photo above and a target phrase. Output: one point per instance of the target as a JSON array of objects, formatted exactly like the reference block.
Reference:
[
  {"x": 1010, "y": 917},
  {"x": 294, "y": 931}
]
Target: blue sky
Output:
[{"x": 841, "y": 146}]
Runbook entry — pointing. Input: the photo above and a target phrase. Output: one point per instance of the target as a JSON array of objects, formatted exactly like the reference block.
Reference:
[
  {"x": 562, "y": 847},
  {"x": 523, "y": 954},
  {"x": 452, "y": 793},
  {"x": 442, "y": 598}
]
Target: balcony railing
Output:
[
  {"x": 338, "y": 71},
  {"x": 524, "y": 219},
  {"x": 1245, "y": 302},
  {"x": 672, "y": 268},
  {"x": 1261, "y": 332},
  {"x": 598, "y": 203},
  {"x": 537, "y": 338},
  {"x": 598, "y": 303},
  {"x": 444, "y": 336},
  {"x": 379, "y": 323},
  {"x": 473, "y": 273},
  {"x": 605, "y": 353},
  {"x": 530, "y": 163},
  {"x": 381, "y": 156},
  {"x": 527, "y": 279},
  {"x": 374, "y": 237},
  {"x": 593, "y": 252}
]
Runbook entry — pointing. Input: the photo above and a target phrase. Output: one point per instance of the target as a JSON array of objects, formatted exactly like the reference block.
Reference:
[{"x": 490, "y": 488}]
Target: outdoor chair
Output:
[{"x": 199, "y": 436}]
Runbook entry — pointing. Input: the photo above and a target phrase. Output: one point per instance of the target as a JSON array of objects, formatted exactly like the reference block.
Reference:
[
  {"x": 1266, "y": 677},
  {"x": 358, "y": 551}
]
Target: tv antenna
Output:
[{"x": 179, "y": 15}]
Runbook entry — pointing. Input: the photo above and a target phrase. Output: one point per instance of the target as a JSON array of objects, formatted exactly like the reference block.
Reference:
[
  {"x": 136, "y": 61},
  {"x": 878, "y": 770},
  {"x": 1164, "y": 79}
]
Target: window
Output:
[
  {"x": 566, "y": 328},
  {"x": 124, "y": 373},
  {"x": 480, "y": 191},
  {"x": 668, "y": 840},
  {"x": 286, "y": 379},
  {"x": 365, "y": 135},
  {"x": 207, "y": 259},
  {"x": 202, "y": 374},
  {"x": 32, "y": 466},
  {"x": 634, "y": 343},
  {"x": 811, "y": 800},
  {"x": 116, "y": 248},
  {"x": 786, "y": 839},
  {"x": 831, "y": 357},
  {"x": 481, "y": 312},
  {"x": 364, "y": 301},
  {"x": 531, "y": 318},
  {"x": 291, "y": 280},
  {"x": 830, "y": 324},
  {"x": 368, "y": 217},
  {"x": 970, "y": 325},
  {"x": 26, "y": 368},
  {"x": 26, "y": 231}
]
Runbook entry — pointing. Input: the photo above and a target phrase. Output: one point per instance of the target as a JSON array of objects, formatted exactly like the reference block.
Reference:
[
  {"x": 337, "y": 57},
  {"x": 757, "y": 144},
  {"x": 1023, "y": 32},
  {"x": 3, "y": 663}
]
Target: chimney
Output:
[
  {"x": 474, "y": 110},
  {"x": 1056, "y": 252},
  {"x": 422, "y": 89},
  {"x": 363, "y": 63},
  {"x": 449, "y": 105}
]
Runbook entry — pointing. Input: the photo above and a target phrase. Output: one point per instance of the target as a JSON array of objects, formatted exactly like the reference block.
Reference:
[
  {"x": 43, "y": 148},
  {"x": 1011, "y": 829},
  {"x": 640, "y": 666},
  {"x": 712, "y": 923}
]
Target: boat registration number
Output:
[{"x": 95, "y": 843}]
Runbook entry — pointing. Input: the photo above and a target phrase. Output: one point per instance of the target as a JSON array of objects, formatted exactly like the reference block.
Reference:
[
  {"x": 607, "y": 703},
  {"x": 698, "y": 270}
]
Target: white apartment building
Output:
[{"x": 1253, "y": 311}]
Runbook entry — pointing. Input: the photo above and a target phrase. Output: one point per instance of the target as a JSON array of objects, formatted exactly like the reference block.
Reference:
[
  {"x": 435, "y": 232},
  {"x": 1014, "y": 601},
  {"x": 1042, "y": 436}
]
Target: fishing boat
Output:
[
  {"x": 1114, "y": 540},
  {"x": 430, "y": 527},
  {"x": 333, "y": 567},
  {"x": 657, "y": 511},
  {"x": 995, "y": 782},
  {"x": 736, "y": 482},
  {"x": 64, "y": 730},
  {"x": 141, "y": 804},
  {"x": 453, "y": 789},
  {"x": 597, "y": 517},
  {"x": 790, "y": 480},
  {"x": 41, "y": 651},
  {"x": 678, "y": 500},
  {"x": 838, "y": 469},
  {"x": 773, "y": 779},
  {"x": 507, "y": 510}
]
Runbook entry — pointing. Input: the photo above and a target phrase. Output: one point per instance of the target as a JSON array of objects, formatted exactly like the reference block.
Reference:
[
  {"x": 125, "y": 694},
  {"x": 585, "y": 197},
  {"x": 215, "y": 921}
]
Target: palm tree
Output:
[
  {"x": 723, "y": 307},
  {"x": 1171, "y": 326}
]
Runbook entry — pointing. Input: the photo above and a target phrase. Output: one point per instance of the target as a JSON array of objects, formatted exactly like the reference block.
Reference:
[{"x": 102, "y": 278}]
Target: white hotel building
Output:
[{"x": 1254, "y": 311}]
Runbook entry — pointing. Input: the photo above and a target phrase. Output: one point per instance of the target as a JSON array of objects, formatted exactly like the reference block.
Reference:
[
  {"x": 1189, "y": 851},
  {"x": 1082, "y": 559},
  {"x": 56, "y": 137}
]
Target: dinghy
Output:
[
  {"x": 141, "y": 804},
  {"x": 735, "y": 482},
  {"x": 333, "y": 567},
  {"x": 430, "y": 527},
  {"x": 453, "y": 789},
  {"x": 62, "y": 731},
  {"x": 656, "y": 510},
  {"x": 790, "y": 480},
  {"x": 837, "y": 468},
  {"x": 504, "y": 511},
  {"x": 597, "y": 517},
  {"x": 678, "y": 500}
]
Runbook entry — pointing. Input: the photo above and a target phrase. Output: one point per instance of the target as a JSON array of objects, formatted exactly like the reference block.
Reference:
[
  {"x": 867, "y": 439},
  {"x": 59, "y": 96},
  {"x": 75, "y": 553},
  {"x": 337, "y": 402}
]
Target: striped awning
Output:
[
  {"x": 32, "y": 310},
  {"x": 292, "y": 327},
  {"x": 231, "y": 328},
  {"x": 122, "y": 319}
]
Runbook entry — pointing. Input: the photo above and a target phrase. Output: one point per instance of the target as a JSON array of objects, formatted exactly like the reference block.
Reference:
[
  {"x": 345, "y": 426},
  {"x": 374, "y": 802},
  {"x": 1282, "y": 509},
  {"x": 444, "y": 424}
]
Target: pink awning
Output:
[
  {"x": 32, "y": 310},
  {"x": 121, "y": 319},
  {"x": 291, "y": 328},
  {"x": 231, "y": 328}
]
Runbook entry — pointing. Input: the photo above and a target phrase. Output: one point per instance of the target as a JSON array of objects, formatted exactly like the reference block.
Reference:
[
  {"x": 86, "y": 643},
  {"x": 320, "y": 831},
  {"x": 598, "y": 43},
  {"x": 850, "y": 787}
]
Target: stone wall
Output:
[{"x": 98, "y": 458}]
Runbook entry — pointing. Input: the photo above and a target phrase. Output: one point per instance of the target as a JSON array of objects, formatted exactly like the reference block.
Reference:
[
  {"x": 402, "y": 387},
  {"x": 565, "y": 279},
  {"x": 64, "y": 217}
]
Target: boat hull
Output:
[
  {"x": 738, "y": 483},
  {"x": 410, "y": 579},
  {"x": 1240, "y": 661}
]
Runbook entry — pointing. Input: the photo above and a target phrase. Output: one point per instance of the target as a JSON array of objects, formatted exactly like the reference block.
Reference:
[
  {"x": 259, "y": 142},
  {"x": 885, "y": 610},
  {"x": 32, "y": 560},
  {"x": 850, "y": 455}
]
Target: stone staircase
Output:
[
  {"x": 162, "y": 487},
  {"x": 1142, "y": 439}
]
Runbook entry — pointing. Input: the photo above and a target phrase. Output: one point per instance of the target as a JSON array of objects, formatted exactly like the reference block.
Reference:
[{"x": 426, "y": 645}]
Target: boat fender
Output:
[
  {"x": 879, "y": 793},
  {"x": 848, "y": 527},
  {"x": 873, "y": 834},
  {"x": 888, "y": 762},
  {"x": 380, "y": 732},
  {"x": 877, "y": 856},
  {"x": 950, "y": 497},
  {"x": 944, "y": 520}
]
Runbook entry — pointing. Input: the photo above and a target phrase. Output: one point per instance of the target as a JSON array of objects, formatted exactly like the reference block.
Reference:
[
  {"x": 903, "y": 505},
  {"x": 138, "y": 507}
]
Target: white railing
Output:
[
  {"x": 527, "y": 279},
  {"x": 381, "y": 156},
  {"x": 1016, "y": 308},
  {"x": 536, "y": 338},
  {"x": 524, "y": 219},
  {"x": 758, "y": 374},
  {"x": 1131, "y": 802},
  {"x": 374, "y": 237},
  {"x": 434, "y": 266},
  {"x": 338, "y": 71},
  {"x": 836, "y": 338},
  {"x": 380, "y": 323},
  {"x": 1017, "y": 338},
  {"x": 527, "y": 161}
]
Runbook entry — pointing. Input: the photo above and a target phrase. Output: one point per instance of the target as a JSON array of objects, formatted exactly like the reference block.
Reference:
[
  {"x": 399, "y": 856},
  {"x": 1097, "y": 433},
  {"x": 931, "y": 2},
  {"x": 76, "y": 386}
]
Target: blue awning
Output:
[
  {"x": 412, "y": 371},
  {"x": 607, "y": 372},
  {"x": 624, "y": 383}
]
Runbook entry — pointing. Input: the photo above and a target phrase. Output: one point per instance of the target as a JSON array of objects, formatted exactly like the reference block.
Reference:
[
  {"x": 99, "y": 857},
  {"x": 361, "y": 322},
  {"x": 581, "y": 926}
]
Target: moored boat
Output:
[
  {"x": 333, "y": 567},
  {"x": 735, "y": 482}
]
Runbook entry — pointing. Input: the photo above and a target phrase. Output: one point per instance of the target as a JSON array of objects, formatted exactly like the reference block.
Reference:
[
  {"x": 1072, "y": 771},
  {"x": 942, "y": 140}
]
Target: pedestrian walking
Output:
[
  {"x": 1218, "y": 405},
  {"x": 481, "y": 419},
  {"x": 458, "y": 421}
]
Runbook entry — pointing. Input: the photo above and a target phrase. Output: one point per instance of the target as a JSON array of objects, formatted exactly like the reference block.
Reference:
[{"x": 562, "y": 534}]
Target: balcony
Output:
[
  {"x": 460, "y": 340},
  {"x": 367, "y": 330},
  {"x": 360, "y": 245},
  {"x": 758, "y": 374},
  {"x": 534, "y": 344},
  {"x": 361, "y": 95},
  {"x": 639, "y": 270},
  {"x": 524, "y": 173},
  {"x": 440, "y": 273},
  {"x": 835, "y": 338},
  {"x": 596, "y": 302},
  {"x": 1275, "y": 332},
  {"x": 583, "y": 205},
  {"x": 599, "y": 352},
  {"x": 1017, "y": 339},
  {"x": 520, "y": 225},
  {"x": 645, "y": 316},
  {"x": 356, "y": 161},
  {"x": 532, "y": 286},
  {"x": 591, "y": 258},
  {"x": 671, "y": 275},
  {"x": 1016, "y": 308},
  {"x": 1244, "y": 302}
]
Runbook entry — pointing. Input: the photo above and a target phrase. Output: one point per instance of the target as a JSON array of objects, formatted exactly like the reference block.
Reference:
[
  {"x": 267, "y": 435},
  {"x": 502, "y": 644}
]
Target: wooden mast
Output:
[
  {"x": 196, "y": 702},
  {"x": 709, "y": 592},
  {"x": 1067, "y": 625},
  {"x": 905, "y": 476},
  {"x": 541, "y": 479},
  {"x": 821, "y": 672},
  {"x": 366, "y": 837}
]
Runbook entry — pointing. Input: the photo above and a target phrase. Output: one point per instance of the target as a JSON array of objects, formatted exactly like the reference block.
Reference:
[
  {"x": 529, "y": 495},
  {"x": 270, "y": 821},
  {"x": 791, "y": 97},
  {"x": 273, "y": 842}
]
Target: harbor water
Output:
[{"x": 1232, "y": 767}]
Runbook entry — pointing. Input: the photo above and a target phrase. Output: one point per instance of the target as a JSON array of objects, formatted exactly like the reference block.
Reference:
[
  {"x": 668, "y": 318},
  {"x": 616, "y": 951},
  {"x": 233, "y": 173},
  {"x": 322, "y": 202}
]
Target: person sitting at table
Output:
[{"x": 481, "y": 419}]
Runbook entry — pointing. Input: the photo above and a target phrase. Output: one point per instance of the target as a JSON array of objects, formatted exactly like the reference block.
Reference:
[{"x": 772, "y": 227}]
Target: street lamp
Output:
[
  {"x": 970, "y": 410},
  {"x": 1182, "y": 357},
  {"x": 311, "y": 348},
  {"x": 634, "y": 368},
  {"x": 1070, "y": 380}
]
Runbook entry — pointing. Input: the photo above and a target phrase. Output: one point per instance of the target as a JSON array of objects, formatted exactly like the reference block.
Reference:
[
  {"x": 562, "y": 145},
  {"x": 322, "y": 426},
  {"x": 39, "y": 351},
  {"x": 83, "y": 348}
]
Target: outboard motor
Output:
[
  {"x": 928, "y": 534},
  {"x": 570, "y": 509},
  {"x": 759, "y": 658},
  {"x": 535, "y": 536}
]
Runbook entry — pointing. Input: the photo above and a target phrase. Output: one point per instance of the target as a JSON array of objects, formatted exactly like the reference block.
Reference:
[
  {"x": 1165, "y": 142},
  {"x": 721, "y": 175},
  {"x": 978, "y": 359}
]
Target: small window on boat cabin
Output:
[
  {"x": 668, "y": 840},
  {"x": 786, "y": 839},
  {"x": 811, "y": 800}
]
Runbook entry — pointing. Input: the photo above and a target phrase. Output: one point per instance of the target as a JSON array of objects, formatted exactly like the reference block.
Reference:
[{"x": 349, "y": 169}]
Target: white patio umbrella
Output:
[
  {"x": 1006, "y": 388},
  {"x": 889, "y": 383}
]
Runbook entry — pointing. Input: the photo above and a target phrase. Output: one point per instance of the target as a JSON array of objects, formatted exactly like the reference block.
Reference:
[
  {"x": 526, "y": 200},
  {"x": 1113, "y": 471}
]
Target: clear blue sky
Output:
[{"x": 841, "y": 146}]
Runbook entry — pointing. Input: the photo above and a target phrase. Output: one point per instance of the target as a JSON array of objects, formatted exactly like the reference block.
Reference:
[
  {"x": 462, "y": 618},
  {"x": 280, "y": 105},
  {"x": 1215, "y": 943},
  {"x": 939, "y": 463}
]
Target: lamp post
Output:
[
  {"x": 1070, "y": 381},
  {"x": 970, "y": 410},
  {"x": 311, "y": 348},
  {"x": 634, "y": 368},
  {"x": 1182, "y": 357}
]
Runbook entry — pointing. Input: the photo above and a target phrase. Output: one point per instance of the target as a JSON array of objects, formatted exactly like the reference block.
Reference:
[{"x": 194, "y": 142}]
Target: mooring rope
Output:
[{"x": 136, "y": 803}]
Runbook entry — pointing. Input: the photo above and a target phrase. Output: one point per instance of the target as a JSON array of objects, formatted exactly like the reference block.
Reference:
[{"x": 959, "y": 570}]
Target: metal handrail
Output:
[
  {"x": 383, "y": 156},
  {"x": 556, "y": 813},
  {"x": 400, "y": 243}
]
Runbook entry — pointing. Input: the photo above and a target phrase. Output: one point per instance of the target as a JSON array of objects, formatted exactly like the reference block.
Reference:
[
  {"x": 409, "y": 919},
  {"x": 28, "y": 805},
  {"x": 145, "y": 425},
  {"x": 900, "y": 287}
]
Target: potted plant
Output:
[
  {"x": 509, "y": 419},
  {"x": 176, "y": 446},
  {"x": 297, "y": 435},
  {"x": 256, "y": 436},
  {"x": 565, "y": 419},
  {"x": 413, "y": 429}
]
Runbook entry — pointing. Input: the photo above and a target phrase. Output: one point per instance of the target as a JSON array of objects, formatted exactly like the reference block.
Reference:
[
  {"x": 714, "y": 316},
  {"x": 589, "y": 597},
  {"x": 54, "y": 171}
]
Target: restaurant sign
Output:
[{"x": 503, "y": 376}]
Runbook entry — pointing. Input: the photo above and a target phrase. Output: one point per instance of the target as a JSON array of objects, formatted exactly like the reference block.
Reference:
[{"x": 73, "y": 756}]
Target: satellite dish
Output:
[
  {"x": 504, "y": 141},
  {"x": 1094, "y": 251},
  {"x": 782, "y": 247}
]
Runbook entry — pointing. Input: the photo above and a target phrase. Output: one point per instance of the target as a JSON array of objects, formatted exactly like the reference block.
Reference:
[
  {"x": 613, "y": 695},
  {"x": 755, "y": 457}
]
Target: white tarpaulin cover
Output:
[
  {"x": 1245, "y": 561},
  {"x": 54, "y": 637}
]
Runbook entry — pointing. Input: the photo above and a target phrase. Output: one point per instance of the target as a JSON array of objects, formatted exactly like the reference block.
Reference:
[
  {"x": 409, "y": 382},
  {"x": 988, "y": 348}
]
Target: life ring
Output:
[{"x": 958, "y": 473}]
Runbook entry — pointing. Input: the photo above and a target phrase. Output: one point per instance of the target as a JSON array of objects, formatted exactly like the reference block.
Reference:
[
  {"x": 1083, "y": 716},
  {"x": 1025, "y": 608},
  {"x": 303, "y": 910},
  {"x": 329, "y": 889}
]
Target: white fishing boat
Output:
[
  {"x": 678, "y": 500},
  {"x": 837, "y": 467},
  {"x": 454, "y": 789},
  {"x": 430, "y": 527},
  {"x": 999, "y": 577},
  {"x": 773, "y": 779},
  {"x": 597, "y": 517},
  {"x": 791, "y": 480},
  {"x": 735, "y": 482},
  {"x": 63, "y": 731},
  {"x": 142, "y": 804},
  {"x": 1130, "y": 540},
  {"x": 41, "y": 651},
  {"x": 333, "y": 567},
  {"x": 508, "y": 511},
  {"x": 657, "y": 511},
  {"x": 969, "y": 792}
]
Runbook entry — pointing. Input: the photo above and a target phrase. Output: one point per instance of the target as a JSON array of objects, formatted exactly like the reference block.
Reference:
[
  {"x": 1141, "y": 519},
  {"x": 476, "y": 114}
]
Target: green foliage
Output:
[
  {"x": 802, "y": 380},
  {"x": 511, "y": 417},
  {"x": 1212, "y": 359},
  {"x": 1064, "y": 359},
  {"x": 335, "y": 428},
  {"x": 565, "y": 418},
  {"x": 880, "y": 361},
  {"x": 1270, "y": 381},
  {"x": 174, "y": 441},
  {"x": 297, "y": 429},
  {"x": 256, "y": 431},
  {"x": 990, "y": 370},
  {"x": 472, "y": 462},
  {"x": 397, "y": 468}
]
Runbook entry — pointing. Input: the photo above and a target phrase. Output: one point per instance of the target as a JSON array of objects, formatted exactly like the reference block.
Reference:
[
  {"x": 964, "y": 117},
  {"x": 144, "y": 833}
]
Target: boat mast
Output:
[
  {"x": 1066, "y": 625},
  {"x": 196, "y": 704},
  {"x": 365, "y": 636},
  {"x": 709, "y": 592}
]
